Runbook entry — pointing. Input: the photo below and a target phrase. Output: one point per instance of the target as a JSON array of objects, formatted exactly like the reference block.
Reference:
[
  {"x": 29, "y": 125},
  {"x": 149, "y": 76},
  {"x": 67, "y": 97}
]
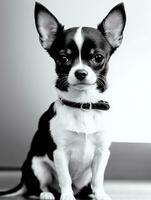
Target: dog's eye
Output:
[
  {"x": 63, "y": 59},
  {"x": 98, "y": 59}
]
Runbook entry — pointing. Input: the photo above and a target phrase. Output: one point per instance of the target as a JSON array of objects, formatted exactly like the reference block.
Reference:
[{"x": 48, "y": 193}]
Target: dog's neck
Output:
[{"x": 88, "y": 95}]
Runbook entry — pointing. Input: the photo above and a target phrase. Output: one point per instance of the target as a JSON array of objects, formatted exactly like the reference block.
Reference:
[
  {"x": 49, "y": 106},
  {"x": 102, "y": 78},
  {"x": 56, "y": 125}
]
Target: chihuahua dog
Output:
[{"x": 70, "y": 149}]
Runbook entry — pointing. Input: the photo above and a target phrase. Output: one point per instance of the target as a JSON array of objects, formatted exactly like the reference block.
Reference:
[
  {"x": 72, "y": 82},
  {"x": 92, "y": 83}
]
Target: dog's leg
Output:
[
  {"x": 61, "y": 163},
  {"x": 98, "y": 169},
  {"x": 42, "y": 168}
]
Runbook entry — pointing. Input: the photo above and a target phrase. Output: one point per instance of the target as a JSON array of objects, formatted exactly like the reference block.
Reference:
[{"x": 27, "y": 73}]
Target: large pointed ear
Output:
[
  {"x": 47, "y": 25},
  {"x": 113, "y": 25}
]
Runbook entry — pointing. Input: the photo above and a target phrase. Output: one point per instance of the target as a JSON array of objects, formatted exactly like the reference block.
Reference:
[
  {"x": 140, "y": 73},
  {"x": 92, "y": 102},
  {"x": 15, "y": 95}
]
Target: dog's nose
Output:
[{"x": 80, "y": 74}]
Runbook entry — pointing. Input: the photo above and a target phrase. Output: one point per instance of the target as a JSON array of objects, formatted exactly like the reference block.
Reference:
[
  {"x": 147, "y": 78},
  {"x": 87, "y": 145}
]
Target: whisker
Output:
[
  {"x": 62, "y": 81},
  {"x": 102, "y": 77},
  {"x": 101, "y": 82}
]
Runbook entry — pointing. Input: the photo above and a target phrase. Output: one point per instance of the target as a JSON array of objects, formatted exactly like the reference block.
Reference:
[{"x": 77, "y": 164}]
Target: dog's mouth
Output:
[{"x": 82, "y": 85}]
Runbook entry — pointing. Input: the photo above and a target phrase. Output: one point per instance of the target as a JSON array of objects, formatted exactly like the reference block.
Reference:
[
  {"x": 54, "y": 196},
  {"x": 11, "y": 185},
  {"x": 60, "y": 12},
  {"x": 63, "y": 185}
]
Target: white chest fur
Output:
[
  {"x": 71, "y": 122},
  {"x": 79, "y": 133},
  {"x": 77, "y": 120}
]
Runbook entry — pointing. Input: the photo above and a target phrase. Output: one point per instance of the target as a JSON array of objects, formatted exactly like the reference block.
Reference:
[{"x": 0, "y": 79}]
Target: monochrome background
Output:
[{"x": 27, "y": 72}]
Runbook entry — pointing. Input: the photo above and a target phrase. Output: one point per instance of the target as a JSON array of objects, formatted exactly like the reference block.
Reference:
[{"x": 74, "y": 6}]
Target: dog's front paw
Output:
[
  {"x": 47, "y": 196},
  {"x": 67, "y": 196},
  {"x": 102, "y": 196}
]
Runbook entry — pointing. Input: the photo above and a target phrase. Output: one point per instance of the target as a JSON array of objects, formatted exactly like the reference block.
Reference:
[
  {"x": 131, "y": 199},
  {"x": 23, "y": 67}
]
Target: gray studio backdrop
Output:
[
  {"x": 26, "y": 80},
  {"x": 27, "y": 73}
]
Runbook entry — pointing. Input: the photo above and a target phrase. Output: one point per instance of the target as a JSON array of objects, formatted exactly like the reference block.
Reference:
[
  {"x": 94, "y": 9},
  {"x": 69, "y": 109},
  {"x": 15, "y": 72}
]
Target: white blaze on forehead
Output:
[
  {"x": 78, "y": 38},
  {"x": 91, "y": 76}
]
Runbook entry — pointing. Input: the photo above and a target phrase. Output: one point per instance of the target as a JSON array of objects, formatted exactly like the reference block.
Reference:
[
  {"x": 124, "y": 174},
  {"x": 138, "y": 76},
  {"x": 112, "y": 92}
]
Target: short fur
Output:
[{"x": 70, "y": 149}]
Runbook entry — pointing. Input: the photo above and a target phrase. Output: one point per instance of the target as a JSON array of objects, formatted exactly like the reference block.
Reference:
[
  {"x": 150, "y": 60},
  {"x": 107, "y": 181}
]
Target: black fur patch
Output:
[
  {"x": 42, "y": 144},
  {"x": 94, "y": 44},
  {"x": 61, "y": 46}
]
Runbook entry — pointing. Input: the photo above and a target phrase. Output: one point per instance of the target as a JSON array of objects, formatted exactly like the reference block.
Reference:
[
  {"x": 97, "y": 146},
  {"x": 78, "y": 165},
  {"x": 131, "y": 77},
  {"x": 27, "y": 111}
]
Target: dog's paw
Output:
[
  {"x": 67, "y": 196},
  {"x": 47, "y": 196},
  {"x": 102, "y": 196}
]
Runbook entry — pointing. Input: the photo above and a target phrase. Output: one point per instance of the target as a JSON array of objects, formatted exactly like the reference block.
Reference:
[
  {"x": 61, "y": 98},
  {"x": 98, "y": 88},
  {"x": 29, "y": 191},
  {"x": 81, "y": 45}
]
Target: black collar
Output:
[{"x": 100, "y": 105}]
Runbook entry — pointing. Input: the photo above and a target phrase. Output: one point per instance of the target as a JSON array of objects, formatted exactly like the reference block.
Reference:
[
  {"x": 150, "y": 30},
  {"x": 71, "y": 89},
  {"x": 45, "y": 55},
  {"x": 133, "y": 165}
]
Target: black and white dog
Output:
[{"x": 70, "y": 149}]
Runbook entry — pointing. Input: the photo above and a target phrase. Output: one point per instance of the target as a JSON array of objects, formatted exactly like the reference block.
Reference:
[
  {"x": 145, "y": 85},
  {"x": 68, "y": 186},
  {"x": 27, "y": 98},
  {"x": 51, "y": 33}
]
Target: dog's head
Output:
[{"x": 81, "y": 54}]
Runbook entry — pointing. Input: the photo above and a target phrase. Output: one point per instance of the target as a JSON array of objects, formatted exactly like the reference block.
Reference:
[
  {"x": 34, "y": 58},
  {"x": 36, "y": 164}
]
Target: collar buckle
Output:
[{"x": 86, "y": 106}]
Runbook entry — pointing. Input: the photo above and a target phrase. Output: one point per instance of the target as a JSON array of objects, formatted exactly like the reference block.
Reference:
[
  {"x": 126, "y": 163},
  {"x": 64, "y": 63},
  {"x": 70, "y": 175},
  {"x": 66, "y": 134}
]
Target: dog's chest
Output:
[
  {"x": 77, "y": 120},
  {"x": 81, "y": 151},
  {"x": 78, "y": 133}
]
